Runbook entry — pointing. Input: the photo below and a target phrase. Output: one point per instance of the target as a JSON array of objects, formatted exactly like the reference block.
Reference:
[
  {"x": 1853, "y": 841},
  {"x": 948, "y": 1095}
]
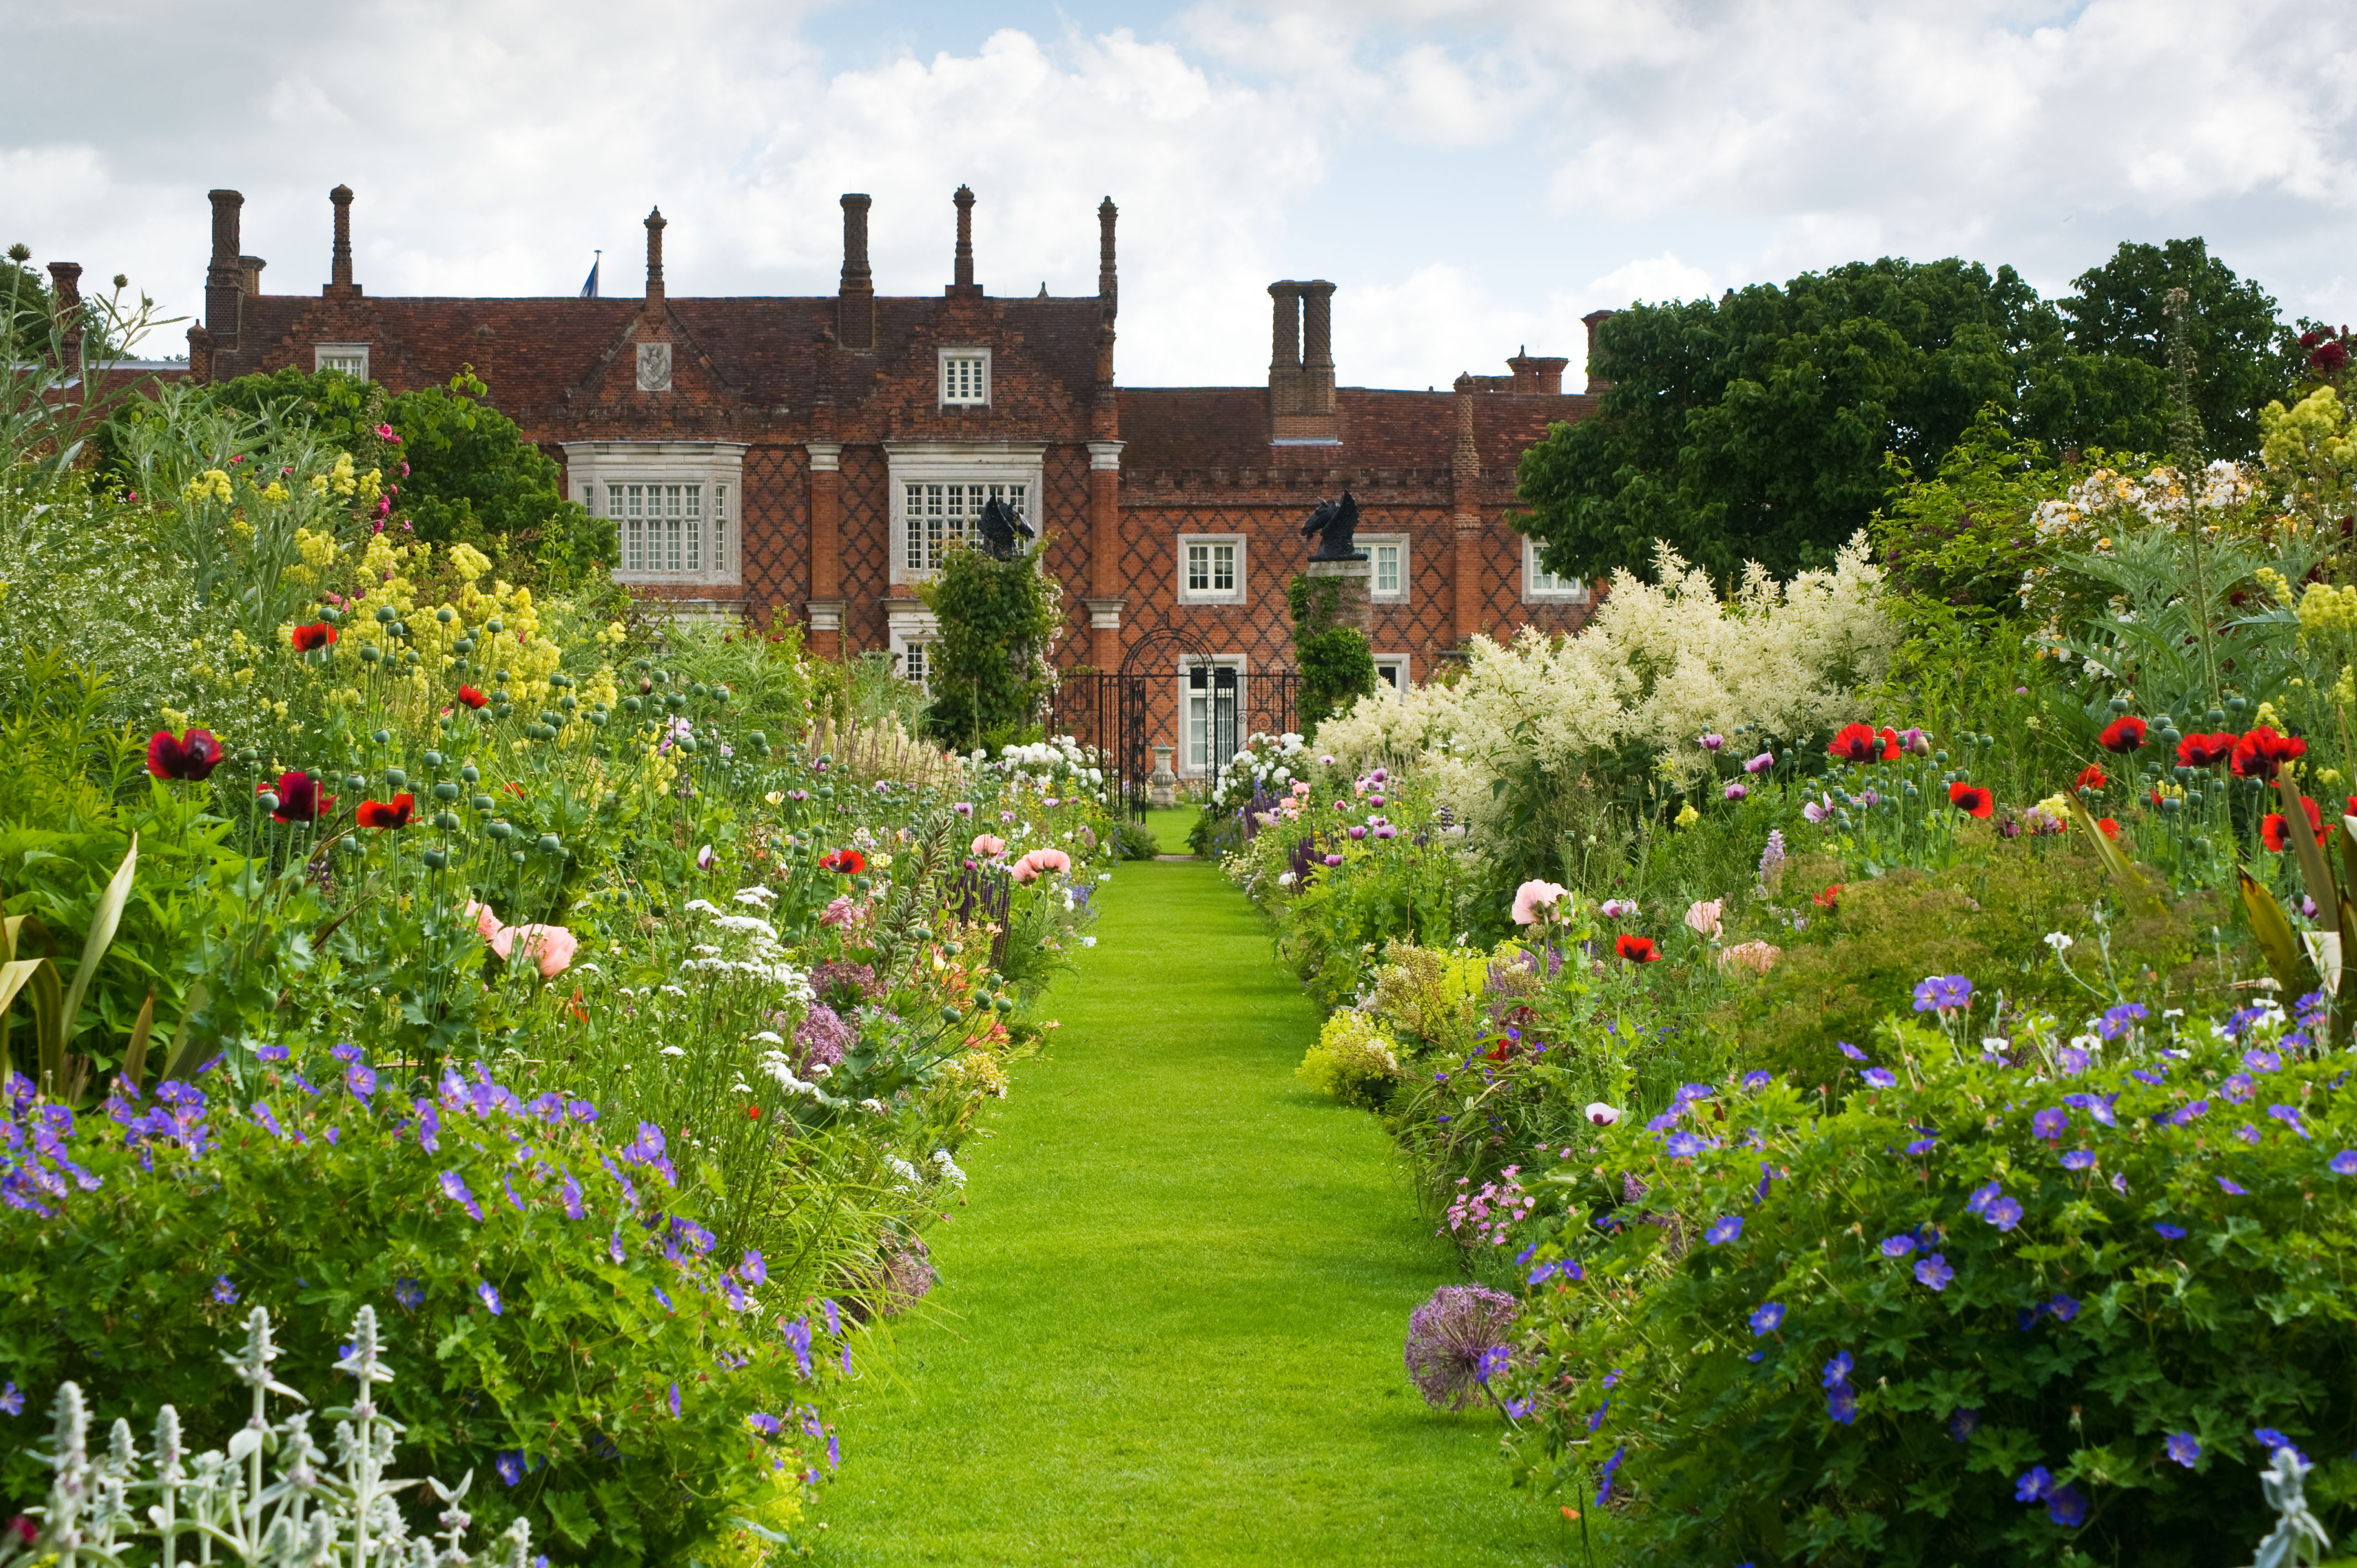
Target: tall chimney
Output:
[
  {"x": 1537, "y": 373},
  {"x": 1318, "y": 346},
  {"x": 64, "y": 289},
  {"x": 655, "y": 226},
  {"x": 1108, "y": 285},
  {"x": 249, "y": 275},
  {"x": 1592, "y": 320},
  {"x": 339, "y": 268},
  {"x": 963, "y": 268},
  {"x": 1285, "y": 333},
  {"x": 855, "y": 307},
  {"x": 224, "y": 280}
]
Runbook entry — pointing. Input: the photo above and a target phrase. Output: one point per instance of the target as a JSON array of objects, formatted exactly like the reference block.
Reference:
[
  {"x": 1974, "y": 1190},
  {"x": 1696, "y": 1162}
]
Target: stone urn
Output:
[{"x": 1162, "y": 785}]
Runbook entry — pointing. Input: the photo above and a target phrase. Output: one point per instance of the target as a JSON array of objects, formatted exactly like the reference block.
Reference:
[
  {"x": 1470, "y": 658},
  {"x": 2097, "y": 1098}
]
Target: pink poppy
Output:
[
  {"x": 1534, "y": 901},
  {"x": 988, "y": 845},
  {"x": 551, "y": 947},
  {"x": 486, "y": 922}
]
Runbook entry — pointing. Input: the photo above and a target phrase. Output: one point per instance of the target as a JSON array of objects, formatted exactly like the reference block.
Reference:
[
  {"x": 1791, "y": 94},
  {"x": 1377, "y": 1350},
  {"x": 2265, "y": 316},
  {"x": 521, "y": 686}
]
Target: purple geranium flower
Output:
[
  {"x": 2168, "y": 1232},
  {"x": 1724, "y": 1229},
  {"x": 2187, "y": 1112},
  {"x": 1881, "y": 1078},
  {"x": 1852, "y": 1052},
  {"x": 2078, "y": 1159},
  {"x": 2033, "y": 1485},
  {"x": 1934, "y": 1271},
  {"x": 2184, "y": 1448},
  {"x": 1841, "y": 1403},
  {"x": 2050, "y": 1124},
  {"x": 1943, "y": 993},
  {"x": 454, "y": 1188},
  {"x": 491, "y": 1296},
  {"x": 1767, "y": 1317},
  {"x": 1837, "y": 1371},
  {"x": 1898, "y": 1246},
  {"x": 2004, "y": 1213},
  {"x": 2231, "y": 1189},
  {"x": 2288, "y": 1115},
  {"x": 2066, "y": 1506}
]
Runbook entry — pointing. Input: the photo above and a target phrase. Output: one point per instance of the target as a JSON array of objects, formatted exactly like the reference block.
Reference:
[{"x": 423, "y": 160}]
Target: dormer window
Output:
[
  {"x": 965, "y": 377},
  {"x": 351, "y": 358}
]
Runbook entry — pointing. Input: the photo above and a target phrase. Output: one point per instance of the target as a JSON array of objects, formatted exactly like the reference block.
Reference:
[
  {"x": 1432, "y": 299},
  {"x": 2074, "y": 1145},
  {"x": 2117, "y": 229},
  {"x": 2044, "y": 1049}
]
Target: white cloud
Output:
[
  {"x": 1454, "y": 165},
  {"x": 1653, "y": 280}
]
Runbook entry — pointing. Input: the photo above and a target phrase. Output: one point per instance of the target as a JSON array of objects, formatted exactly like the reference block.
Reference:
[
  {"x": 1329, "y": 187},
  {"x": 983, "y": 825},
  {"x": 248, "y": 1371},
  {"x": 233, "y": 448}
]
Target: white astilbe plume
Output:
[{"x": 1658, "y": 664}]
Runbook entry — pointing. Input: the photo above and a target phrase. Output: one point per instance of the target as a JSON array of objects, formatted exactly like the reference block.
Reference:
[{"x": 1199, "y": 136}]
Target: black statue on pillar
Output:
[
  {"x": 998, "y": 526},
  {"x": 1332, "y": 524}
]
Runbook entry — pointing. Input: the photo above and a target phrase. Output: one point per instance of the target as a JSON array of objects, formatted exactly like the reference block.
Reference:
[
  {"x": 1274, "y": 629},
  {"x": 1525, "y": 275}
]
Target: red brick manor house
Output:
[{"x": 811, "y": 457}]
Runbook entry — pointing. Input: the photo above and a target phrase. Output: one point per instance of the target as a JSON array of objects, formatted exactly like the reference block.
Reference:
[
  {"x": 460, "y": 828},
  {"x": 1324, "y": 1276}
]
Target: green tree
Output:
[
  {"x": 1337, "y": 668},
  {"x": 988, "y": 670},
  {"x": 1755, "y": 427},
  {"x": 473, "y": 477},
  {"x": 2242, "y": 356}
]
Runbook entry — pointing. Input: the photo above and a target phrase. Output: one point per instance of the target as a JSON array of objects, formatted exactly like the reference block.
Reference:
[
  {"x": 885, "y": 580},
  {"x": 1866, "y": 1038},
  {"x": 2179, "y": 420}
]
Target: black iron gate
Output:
[{"x": 1115, "y": 713}]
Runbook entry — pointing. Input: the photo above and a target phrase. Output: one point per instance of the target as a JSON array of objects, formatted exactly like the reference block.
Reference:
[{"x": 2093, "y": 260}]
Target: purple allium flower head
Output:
[
  {"x": 490, "y": 1297},
  {"x": 909, "y": 1275},
  {"x": 1723, "y": 1230},
  {"x": 1934, "y": 1271},
  {"x": 1898, "y": 1246},
  {"x": 1448, "y": 1337},
  {"x": 1767, "y": 1317},
  {"x": 2184, "y": 1447}
]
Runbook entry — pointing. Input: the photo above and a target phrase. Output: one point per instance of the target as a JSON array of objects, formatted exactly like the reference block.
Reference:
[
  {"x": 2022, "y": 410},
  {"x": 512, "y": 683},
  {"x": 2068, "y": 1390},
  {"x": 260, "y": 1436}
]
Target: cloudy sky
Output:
[{"x": 1474, "y": 175}]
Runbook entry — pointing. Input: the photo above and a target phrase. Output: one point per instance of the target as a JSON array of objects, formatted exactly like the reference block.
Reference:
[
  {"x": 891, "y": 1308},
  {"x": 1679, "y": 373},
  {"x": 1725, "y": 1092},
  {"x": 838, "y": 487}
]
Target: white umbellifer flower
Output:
[
  {"x": 701, "y": 904},
  {"x": 771, "y": 1037},
  {"x": 675, "y": 1050},
  {"x": 759, "y": 898},
  {"x": 904, "y": 1170},
  {"x": 873, "y": 1106},
  {"x": 948, "y": 1166}
]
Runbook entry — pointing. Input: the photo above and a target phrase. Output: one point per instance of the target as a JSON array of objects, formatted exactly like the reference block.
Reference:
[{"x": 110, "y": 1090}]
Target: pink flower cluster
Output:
[{"x": 549, "y": 947}]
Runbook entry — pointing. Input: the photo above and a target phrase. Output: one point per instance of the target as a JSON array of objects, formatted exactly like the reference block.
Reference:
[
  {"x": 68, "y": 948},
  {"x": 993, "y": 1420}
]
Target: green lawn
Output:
[
  {"x": 1170, "y": 828},
  {"x": 1168, "y": 1325}
]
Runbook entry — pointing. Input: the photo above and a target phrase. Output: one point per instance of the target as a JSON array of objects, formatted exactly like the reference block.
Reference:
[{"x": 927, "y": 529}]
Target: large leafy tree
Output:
[{"x": 1759, "y": 427}]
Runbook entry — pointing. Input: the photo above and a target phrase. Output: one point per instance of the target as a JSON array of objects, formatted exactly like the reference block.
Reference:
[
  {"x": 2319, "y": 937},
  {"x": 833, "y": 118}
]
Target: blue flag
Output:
[{"x": 589, "y": 284}]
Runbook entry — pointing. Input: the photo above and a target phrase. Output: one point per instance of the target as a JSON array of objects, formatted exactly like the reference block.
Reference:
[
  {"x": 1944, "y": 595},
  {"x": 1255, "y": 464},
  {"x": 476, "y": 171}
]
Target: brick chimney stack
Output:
[
  {"x": 655, "y": 226},
  {"x": 249, "y": 275},
  {"x": 65, "y": 287},
  {"x": 855, "y": 307},
  {"x": 1538, "y": 373},
  {"x": 1301, "y": 362},
  {"x": 340, "y": 270},
  {"x": 1108, "y": 285},
  {"x": 224, "y": 279},
  {"x": 962, "y": 269},
  {"x": 1591, "y": 322}
]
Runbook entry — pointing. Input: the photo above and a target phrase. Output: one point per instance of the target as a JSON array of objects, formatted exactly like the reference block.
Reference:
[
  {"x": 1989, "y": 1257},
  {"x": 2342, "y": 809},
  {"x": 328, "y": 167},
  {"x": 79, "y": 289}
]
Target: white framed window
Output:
[
  {"x": 1212, "y": 568},
  {"x": 966, "y": 376},
  {"x": 913, "y": 666},
  {"x": 910, "y": 630},
  {"x": 673, "y": 506},
  {"x": 1212, "y": 696},
  {"x": 936, "y": 515},
  {"x": 1391, "y": 673},
  {"x": 1543, "y": 586},
  {"x": 1387, "y": 572},
  {"x": 352, "y": 358},
  {"x": 939, "y": 488}
]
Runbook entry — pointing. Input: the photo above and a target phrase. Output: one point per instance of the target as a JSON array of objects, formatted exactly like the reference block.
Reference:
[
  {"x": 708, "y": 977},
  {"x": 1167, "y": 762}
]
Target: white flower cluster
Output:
[
  {"x": 1046, "y": 762},
  {"x": 1659, "y": 663},
  {"x": 1267, "y": 764},
  {"x": 746, "y": 947}
]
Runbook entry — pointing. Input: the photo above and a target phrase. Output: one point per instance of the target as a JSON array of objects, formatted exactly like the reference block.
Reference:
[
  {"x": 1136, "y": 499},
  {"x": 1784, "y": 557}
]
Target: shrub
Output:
[
  {"x": 989, "y": 669},
  {"x": 1353, "y": 1061},
  {"x": 630, "y": 1386},
  {"x": 1337, "y": 668},
  {"x": 2050, "y": 1302}
]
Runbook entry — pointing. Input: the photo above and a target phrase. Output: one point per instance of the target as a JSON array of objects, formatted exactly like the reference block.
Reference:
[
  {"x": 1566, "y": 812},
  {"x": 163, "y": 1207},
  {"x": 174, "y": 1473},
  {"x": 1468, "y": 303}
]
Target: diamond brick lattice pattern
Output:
[
  {"x": 866, "y": 534},
  {"x": 775, "y": 529}
]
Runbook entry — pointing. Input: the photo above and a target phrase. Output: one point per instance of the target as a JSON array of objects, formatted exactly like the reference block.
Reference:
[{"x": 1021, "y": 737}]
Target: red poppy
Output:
[
  {"x": 849, "y": 862},
  {"x": 2204, "y": 750},
  {"x": 299, "y": 800},
  {"x": 2276, "y": 833},
  {"x": 2092, "y": 778},
  {"x": 1971, "y": 798},
  {"x": 2262, "y": 751},
  {"x": 393, "y": 813},
  {"x": 1636, "y": 949},
  {"x": 1830, "y": 898},
  {"x": 752, "y": 1113},
  {"x": 1858, "y": 743},
  {"x": 472, "y": 698},
  {"x": 191, "y": 758},
  {"x": 2123, "y": 735},
  {"x": 2109, "y": 825},
  {"x": 319, "y": 634}
]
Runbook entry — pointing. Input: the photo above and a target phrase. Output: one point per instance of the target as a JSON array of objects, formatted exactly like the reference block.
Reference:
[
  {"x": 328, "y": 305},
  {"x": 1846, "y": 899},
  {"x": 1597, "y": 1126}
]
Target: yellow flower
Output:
[
  {"x": 468, "y": 562},
  {"x": 1688, "y": 816}
]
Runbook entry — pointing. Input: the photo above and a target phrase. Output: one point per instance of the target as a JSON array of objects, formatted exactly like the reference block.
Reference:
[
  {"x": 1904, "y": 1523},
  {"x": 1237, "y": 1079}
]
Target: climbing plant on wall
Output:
[
  {"x": 990, "y": 669},
  {"x": 1336, "y": 664}
]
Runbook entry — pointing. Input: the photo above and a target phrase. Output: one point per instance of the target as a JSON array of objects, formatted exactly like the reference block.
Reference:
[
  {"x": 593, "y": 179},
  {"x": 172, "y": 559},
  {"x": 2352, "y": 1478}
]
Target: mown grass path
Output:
[{"x": 1169, "y": 1325}]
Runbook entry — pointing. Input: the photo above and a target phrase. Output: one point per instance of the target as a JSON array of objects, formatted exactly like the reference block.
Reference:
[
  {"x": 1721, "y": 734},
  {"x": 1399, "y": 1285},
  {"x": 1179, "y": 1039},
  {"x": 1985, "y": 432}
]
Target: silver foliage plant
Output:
[{"x": 270, "y": 1501}]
